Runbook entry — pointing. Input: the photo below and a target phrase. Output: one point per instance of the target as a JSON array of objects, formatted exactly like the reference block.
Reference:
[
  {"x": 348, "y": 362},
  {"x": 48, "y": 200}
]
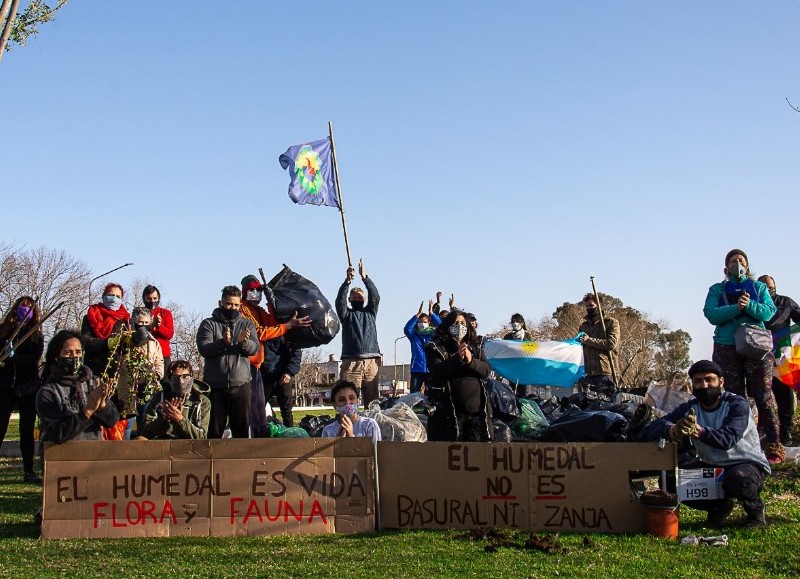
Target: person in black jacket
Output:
[
  {"x": 456, "y": 389},
  {"x": 281, "y": 362},
  {"x": 19, "y": 377},
  {"x": 787, "y": 311}
]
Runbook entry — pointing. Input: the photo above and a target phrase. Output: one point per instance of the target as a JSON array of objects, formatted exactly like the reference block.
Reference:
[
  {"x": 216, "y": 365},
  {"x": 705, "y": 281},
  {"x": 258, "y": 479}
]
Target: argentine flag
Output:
[{"x": 548, "y": 363}]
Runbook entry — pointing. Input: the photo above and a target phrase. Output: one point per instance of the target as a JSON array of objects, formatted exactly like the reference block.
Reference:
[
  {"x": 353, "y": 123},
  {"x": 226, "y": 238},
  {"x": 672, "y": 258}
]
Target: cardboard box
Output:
[
  {"x": 216, "y": 487},
  {"x": 700, "y": 483},
  {"x": 536, "y": 486}
]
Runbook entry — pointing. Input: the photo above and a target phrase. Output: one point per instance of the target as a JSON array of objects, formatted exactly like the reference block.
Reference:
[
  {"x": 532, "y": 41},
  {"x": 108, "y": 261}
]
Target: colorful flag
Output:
[
  {"x": 311, "y": 173},
  {"x": 548, "y": 363},
  {"x": 787, "y": 356}
]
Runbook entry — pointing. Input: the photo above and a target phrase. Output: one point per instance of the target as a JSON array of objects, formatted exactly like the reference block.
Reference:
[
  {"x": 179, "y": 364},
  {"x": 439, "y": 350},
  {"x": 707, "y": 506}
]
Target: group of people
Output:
[{"x": 93, "y": 383}]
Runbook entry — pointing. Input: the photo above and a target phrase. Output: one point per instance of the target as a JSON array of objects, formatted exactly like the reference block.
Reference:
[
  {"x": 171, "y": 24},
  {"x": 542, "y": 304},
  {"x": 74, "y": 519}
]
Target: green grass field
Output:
[{"x": 770, "y": 552}]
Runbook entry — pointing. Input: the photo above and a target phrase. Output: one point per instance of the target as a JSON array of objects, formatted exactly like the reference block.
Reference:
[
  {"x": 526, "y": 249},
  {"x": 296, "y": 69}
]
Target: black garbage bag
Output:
[
  {"x": 314, "y": 424},
  {"x": 291, "y": 293},
  {"x": 583, "y": 399},
  {"x": 586, "y": 426},
  {"x": 502, "y": 431},
  {"x": 503, "y": 400},
  {"x": 627, "y": 408}
]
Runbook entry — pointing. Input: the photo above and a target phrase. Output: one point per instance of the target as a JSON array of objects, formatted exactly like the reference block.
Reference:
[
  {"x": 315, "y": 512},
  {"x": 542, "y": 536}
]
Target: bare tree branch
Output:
[{"x": 796, "y": 109}]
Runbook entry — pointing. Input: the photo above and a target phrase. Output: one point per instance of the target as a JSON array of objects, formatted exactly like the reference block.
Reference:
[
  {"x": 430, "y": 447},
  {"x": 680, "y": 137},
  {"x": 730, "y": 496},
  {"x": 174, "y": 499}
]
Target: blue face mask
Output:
[
  {"x": 348, "y": 410},
  {"x": 112, "y": 302}
]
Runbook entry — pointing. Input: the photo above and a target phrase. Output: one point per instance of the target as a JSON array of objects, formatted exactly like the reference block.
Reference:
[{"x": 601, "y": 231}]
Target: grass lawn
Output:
[{"x": 770, "y": 552}]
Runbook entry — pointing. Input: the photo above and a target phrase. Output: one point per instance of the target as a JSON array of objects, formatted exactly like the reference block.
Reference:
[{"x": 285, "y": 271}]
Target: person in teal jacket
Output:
[{"x": 737, "y": 300}]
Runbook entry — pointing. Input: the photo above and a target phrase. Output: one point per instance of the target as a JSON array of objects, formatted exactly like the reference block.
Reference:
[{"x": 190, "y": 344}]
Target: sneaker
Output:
[
  {"x": 756, "y": 520},
  {"x": 32, "y": 478},
  {"x": 786, "y": 438},
  {"x": 716, "y": 517}
]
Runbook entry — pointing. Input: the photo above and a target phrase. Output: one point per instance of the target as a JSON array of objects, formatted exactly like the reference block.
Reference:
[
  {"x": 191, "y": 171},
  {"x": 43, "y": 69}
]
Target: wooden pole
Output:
[
  {"x": 9, "y": 13},
  {"x": 605, "y": 332},
  {"x": 339, "y": 193}
]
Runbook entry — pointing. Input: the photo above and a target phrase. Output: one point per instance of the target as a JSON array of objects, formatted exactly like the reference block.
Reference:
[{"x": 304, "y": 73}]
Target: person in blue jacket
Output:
[
  {"x": 419, "y": 331},
  {"x": 737, "y": 300}
]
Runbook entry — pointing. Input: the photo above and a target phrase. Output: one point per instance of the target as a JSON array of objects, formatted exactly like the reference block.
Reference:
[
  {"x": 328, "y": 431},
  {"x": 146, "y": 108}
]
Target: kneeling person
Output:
[
  {"x": 348, "y": 423},
  {"x": 723, "y": 433},
  {"x": 181, "y": 410}
]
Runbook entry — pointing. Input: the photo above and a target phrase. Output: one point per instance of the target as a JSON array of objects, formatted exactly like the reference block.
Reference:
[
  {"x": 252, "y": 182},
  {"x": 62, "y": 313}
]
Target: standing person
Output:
[
  {"x": 226, "y": 340},
  {"x": 463, "y": 411},
  {"x": 181, "y": 410},
  {"x": 267, "y": 329},
  {"x": 519, "y": 333},
  {"x": 419, "y": 331},
  {"x": 360, "y": 350},
  {"x": 787, "y": 311},
  {"x": 101, "y": 327},
  {"x": 716, "y": 429},
  {"x": 281, "y": 363},
  {"x": 600, "y": 344},
  {"x": 348, "y": 423},
  {"x": 72, "y": 404},
  {"x": 163, "y": 327},
  {"x": 738, "y": 300},
  {"x": 19, "y": 377}
]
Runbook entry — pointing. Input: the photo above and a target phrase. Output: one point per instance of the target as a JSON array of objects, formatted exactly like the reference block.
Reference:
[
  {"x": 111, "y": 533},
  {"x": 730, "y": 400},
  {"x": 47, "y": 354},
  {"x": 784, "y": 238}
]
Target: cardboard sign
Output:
[
  {"x": 536, "y": 486},
  {"x": 700, "y": 483},
  {"x": 208, "y": 487}
]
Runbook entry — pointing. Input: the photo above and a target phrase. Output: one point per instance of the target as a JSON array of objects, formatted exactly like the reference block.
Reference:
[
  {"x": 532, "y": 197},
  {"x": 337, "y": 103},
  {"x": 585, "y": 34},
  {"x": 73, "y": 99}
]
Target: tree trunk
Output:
[{"x": 8, "y": 22}]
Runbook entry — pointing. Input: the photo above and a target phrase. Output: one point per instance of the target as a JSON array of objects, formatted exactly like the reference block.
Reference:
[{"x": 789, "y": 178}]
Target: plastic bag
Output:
[
  {"x": 313, "y": 425},
  {"x": 504, "y": 401},
  {"x": 583, "y": 426},
  {"x": 502, "y": 432},
  {"x": 531, "y": 418},
  {"x": 291, "y": 293},
  {"x": 666, "y": 399},
  {"x": 278, "y": 430},
  {"x": 398, "y": 423}
]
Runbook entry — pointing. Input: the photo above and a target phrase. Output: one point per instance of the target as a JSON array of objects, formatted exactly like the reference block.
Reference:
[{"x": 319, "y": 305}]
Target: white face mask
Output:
[
  {"x": 516, "y": 326},
  {"x": 421, "y": 326}
]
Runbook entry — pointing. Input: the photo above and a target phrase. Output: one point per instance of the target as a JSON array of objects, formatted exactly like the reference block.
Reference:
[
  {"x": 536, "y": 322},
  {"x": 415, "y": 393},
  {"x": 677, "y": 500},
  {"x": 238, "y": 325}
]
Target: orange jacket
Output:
[{"x": 267, "y": 328}]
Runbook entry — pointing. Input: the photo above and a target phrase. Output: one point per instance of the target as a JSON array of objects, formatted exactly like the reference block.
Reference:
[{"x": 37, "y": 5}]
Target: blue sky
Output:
[{"x": 501, "y": 151}]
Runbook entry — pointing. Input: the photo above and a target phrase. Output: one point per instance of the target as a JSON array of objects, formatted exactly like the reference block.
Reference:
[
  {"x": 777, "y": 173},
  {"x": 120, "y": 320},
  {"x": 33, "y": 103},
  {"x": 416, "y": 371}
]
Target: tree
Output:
[
  {"x": 17, "y": 26},
  {"x": 647, "y": 348}
]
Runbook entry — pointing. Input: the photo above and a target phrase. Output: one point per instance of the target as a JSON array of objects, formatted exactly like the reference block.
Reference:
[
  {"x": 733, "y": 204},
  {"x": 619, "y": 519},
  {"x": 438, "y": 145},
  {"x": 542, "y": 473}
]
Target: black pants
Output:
[
  {"x": 230, "y": 405},
  {"x": 258, "y": 412},
  {"x": 784, "y": 398},
  {"x": 743, "y": 482},
  {"x": 27, "y": 419},
  {"x": 283, "y": 392}
]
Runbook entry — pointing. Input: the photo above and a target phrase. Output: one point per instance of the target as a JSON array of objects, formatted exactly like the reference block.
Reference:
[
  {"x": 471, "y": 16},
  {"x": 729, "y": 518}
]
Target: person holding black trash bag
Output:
[
  {"x": 360, "y": 351},
  {"x": 716, "y": 429},
  {"x": 740, "y": 301}
]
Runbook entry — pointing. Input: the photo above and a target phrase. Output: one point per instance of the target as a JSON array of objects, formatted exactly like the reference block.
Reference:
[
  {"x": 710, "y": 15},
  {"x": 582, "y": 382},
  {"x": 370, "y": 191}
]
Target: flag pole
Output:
[{"x": 339, "y": 193}]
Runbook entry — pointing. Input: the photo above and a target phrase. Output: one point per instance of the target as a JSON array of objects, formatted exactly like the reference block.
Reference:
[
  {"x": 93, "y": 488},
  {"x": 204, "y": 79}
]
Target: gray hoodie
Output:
[{"x": 226, "y": 365}]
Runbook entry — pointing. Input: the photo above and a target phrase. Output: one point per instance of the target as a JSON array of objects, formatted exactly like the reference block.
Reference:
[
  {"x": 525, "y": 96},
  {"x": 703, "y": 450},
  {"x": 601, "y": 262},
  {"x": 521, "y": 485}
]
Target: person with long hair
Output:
[
  {"x": 19, "y": 377},
  {"x": 457, "y": 367},
  {"x": 72, "y": 404}
]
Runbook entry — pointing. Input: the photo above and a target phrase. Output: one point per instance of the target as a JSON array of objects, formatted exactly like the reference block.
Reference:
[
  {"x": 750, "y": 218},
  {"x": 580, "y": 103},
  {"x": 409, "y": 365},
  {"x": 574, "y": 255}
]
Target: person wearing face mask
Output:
[
  {"x": 72, "y": 404},
  {"x": 519, "y": 333},
  {"x": 226, "y": 341},
  {"x": 600, "y": 344},
  {"x": 360, "y": 351},
  {"x": 716, "y": 429},
  {"x": 419, "y": 331},
  {"x": 267, "y": 329},
  {"x": 102, "y": 326},
  {"x": 19, "y": 377},
  {"x": 457, "y": 367},
  {"x": 162, "y": 327},
  {"x": 348, "y": 423},
  {"x": 738, "y": 300},
  {"x": 181, "y": 410},
  {"x": 787, "y": 312}
]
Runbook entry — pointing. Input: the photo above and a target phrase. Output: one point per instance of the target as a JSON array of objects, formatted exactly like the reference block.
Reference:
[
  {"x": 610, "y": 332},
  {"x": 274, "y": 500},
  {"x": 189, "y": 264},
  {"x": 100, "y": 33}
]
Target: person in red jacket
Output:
[{"x": 162, "y": 328}]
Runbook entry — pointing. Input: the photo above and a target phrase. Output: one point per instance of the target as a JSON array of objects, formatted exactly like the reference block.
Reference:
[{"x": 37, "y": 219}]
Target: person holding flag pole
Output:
[{"x": 600, "y": 344}]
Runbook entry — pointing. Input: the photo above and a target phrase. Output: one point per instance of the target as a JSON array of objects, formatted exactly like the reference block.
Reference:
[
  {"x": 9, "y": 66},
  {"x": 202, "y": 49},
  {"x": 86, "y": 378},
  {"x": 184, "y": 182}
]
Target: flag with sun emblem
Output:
[
  {"x": 311, "y": 173},
  {"x": 548, "y": 363}
]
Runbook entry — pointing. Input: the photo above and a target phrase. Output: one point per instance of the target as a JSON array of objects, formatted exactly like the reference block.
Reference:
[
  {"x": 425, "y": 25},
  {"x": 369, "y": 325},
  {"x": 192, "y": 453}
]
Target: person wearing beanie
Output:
[
  {"x": 787, "y": 312},
  {"x": 737, "y": 300},
  {"x": 716, "y": 429},
  {"x": 600, "y": 343},
  {"x": 360, "y": 350},
  {"x": 267, "y": 329}
]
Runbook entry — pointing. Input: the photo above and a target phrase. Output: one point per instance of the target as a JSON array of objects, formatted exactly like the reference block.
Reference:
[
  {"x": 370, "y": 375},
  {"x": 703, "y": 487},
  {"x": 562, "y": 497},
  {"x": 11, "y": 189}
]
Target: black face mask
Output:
[
  {"x": 151, "y": 305},
  {"x": 357, "y": 305},
  {"x": 69, "y": 366},
  {"x": 707, "y": 396},
  {"x": 591, "y": 312},
  {"x": 230, "y": 314}
]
